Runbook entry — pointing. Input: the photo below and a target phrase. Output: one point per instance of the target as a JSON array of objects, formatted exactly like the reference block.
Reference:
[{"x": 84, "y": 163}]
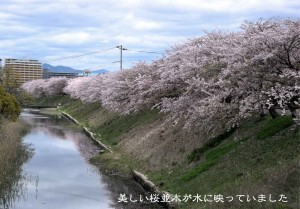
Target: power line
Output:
[
  {"x": 125, "y": 49},
  {"x": 120, "y": 47},
  {"x": 95, "y": 52},
  {"x": 80, "y": 55}
]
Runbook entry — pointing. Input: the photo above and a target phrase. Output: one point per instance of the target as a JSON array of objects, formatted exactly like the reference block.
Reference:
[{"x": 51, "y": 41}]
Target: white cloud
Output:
[
  {"x": 45, "y": 29},
  {"x": 69, "y": 38}
]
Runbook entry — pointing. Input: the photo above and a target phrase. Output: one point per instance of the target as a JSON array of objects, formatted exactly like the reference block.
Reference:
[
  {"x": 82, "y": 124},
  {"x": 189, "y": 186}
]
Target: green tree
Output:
[
  {"x": 9, "y": 106},
  {"x": 10, "y": 80}
]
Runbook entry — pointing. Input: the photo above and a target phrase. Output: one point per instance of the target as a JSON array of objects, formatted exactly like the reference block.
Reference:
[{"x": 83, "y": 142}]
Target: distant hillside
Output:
[
  {"x": 101, "y": 71},
  {"x": 66, "y": 69},
  {"x": 60, "y": 69}
]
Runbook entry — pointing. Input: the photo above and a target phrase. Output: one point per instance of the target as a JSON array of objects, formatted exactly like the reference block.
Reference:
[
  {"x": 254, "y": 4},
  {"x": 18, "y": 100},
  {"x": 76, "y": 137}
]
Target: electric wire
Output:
[
  {"x": 104, "y": 50},
  {"x": 80, "y": 55}
]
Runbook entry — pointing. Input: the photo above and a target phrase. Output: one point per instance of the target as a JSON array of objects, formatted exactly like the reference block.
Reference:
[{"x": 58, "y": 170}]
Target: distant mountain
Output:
[
  {"x": 65, "y": 69},
  {"x": 101, "y": 71},
  {"x": 60, "y": 69}
]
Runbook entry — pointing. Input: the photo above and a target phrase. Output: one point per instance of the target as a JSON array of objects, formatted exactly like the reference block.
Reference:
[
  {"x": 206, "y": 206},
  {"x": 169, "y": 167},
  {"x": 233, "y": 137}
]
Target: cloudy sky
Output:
[{"x": 49, "y": 30}]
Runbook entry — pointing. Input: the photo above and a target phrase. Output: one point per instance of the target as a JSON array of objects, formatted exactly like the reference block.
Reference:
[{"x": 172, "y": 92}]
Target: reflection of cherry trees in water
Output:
[
  {"x": 57, "y": 128},
  {"x": 13, "y": 181},
  {"x": 115, "y": 184},
  {"x": 60, "y": 138}
]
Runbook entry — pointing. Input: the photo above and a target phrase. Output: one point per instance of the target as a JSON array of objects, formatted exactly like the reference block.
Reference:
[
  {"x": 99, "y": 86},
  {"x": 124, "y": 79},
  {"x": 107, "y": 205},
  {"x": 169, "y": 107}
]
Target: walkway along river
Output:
[{"x": 59, "y": 174}]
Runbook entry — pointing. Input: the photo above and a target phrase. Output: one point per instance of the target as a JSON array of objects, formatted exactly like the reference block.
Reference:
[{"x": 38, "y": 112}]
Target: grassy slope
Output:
[
  {"x": 260, "y": 157},
  {"x": 105, "y": 123},
  {"x": 52, "y": 101},
  {"x": 245, "y": 163}
]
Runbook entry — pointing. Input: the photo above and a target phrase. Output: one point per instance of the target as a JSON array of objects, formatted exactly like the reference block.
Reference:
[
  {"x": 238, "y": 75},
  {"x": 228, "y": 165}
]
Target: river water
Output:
[{"x": 59, "y": 175}]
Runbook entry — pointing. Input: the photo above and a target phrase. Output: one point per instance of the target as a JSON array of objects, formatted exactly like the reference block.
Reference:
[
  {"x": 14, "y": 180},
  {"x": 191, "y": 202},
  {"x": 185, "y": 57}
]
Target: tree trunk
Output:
[
  {"x": 274, "y": 114},
  {"x": 293, "y": 107},
  {"x": 261, "y": 111}
]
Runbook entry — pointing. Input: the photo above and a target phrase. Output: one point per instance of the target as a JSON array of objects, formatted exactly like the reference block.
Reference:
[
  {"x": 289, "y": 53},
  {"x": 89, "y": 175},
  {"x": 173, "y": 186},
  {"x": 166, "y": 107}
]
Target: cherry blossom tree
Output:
[
  {"x": 202, "y": 100},
  {"x": 215, "y": 80},
  {"x": 77, "y": 88},
  {"x": 40, "y": 87},
  {"x": 268, "y": 63},
  {"x": 128, "y": 91},
  {"x": 230, "y": 76},
  {"x": 55, "y": 85},
  {"x": 35, "y": 87}
]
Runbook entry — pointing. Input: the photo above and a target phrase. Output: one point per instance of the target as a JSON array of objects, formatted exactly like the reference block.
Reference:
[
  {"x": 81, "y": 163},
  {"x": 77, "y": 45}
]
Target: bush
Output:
[{"x": 9, "y": 106}]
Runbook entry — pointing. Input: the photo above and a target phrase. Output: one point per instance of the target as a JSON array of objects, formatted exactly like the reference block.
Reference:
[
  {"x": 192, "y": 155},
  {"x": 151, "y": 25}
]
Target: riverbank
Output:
[
  {"x": 90, "y": 134},
  {"x": 261, "y": 157},
  {"x": 13, "y": 154},
  {"x": 140, "y": 178}
]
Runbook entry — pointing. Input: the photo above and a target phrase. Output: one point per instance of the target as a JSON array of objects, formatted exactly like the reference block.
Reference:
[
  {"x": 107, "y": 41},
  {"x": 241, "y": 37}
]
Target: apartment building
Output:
[{"x": 23, "y": 70}]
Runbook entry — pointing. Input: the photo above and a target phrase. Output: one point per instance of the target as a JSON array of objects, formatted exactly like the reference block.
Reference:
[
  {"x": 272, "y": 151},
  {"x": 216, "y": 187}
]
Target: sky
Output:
[{"x": 52, "y": 31}]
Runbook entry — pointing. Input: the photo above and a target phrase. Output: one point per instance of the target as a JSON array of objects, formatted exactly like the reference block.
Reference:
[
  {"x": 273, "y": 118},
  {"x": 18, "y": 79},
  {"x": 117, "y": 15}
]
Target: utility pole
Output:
[{"x": 121, "y": 55}]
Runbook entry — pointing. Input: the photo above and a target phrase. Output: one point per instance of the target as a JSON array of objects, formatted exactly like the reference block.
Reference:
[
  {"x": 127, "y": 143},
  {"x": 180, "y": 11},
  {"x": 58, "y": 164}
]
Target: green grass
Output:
[
  {"x": 273, "y": 126},
  {"x": 198, "y": 170},
  {"x": 50, "y": 111},
  {"x": 211, "y": 143},
  {"x": 241, "y": 164},
  {"x": 52, "y": 101},
  {"x": 82, "y": 112},
  {"x": 109, "y": 126},
  {"x": 218, "y": 152},
  {"x": 113, "y": 129},
  {"x": 211, "y": 158}
]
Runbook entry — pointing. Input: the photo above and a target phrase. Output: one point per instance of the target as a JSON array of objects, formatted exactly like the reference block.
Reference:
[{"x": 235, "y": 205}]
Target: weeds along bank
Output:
[
  {"x": 260, "y": 157},
  {"x": 13, "y": 154}
]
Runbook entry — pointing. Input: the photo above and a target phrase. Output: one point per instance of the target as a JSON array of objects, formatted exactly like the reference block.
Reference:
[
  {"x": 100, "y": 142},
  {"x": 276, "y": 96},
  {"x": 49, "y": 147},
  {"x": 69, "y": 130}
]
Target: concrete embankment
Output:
[
  {"x": 165, "y": 197},
  {"x": 140, "y": 178},
  {"x": 88, "y": 133}
]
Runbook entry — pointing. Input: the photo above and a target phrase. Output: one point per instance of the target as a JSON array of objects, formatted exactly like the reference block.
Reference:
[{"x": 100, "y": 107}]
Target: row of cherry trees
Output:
[{"x": 220, "y": 77}]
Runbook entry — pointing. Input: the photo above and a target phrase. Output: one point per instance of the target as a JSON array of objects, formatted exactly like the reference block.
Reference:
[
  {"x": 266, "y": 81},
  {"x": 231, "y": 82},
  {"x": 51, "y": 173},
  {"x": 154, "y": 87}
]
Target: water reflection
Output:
[
  {"x": 65, "y": 180},
  {"x": 63, "y": 176}
]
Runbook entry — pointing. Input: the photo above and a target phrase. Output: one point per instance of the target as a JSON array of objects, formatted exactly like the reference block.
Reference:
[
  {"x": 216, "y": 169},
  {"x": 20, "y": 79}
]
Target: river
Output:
[{"x": 59, "y": 174}]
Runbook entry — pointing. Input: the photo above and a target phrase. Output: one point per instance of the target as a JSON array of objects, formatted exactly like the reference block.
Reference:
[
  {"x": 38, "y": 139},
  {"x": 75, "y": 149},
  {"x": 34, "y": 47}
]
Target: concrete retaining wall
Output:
[
  {"x": 137, "y": 176},
  {"x": 87, "y": 132}
]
